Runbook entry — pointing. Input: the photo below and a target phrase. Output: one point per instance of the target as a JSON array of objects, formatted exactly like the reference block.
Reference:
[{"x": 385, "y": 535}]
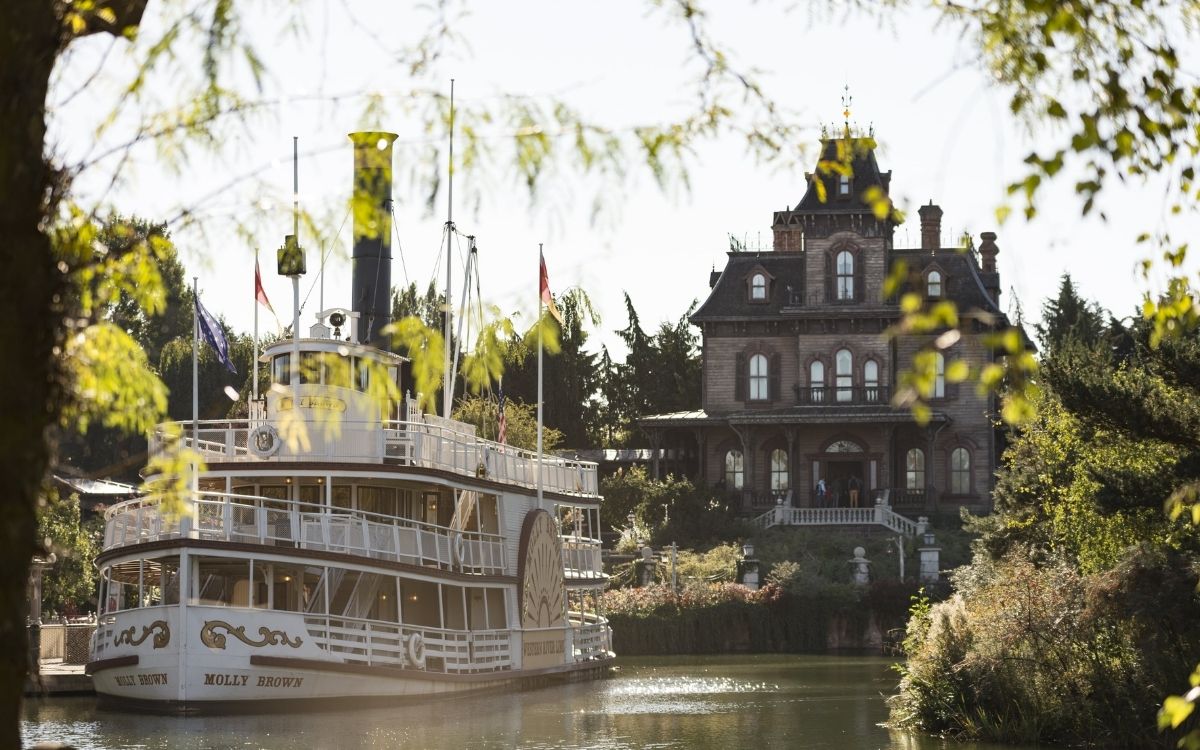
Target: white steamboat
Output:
[{"x": 386, "y": 554}]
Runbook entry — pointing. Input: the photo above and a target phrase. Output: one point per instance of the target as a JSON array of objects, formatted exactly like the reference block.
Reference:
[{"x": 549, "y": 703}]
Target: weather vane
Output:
[{"x": 847, "y": 100}]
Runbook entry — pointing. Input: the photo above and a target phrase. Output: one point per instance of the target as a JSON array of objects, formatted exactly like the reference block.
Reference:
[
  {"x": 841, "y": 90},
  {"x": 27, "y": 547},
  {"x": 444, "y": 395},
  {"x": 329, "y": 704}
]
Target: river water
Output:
[{"x": 723, "y": 703}]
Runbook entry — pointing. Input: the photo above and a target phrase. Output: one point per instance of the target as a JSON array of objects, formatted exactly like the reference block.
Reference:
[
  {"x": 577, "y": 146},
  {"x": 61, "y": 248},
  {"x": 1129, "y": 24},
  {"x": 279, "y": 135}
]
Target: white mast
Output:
[
  {"x": 541, "y": 260},
  {"x": 295, "y": 368},
  {"x": 447, "y": 376},
  {"x": 195, "y": 362},
  {"x": 254, "y": 362}
]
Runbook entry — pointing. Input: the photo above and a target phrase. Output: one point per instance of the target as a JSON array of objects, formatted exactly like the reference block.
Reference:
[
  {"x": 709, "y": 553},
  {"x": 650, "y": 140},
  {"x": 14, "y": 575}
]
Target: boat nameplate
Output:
[
  {"x": 211, "y": 638},
  {"x": 542, "y": 592}
]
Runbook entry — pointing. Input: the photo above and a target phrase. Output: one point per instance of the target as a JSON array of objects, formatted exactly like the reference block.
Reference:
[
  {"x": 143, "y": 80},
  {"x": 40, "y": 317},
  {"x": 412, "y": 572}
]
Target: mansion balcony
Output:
[{"x": 870, "y": 395}]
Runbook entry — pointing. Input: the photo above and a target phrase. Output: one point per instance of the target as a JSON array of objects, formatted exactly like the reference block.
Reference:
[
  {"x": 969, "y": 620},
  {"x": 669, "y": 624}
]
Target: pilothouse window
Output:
[{"x": 281, "y": 369}]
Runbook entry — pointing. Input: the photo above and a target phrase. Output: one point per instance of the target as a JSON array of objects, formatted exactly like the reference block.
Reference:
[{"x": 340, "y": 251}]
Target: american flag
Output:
[{"x": 502, "y": 437}]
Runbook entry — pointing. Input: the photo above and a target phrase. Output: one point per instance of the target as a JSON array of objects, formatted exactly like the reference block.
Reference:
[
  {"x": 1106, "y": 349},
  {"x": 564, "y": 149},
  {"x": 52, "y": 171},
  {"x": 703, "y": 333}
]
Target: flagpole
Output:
[
  {"x": 447, "y": 319},
  {"x": 541, "y": 260},
  {"x": 254, "y": 362},
  {"x": 195, "y": 361}
]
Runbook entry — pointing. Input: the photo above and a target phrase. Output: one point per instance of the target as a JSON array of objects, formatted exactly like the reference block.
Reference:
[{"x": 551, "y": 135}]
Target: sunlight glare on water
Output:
[
  {"x": 677, "y": 695},
  {"x": 691, "y": 703}
]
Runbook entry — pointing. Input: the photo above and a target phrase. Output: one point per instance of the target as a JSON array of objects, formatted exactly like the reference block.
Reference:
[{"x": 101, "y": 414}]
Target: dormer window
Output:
[
  {"x": 933, "y": 284},
  {"x": 758, "y": 287},
  {"x": 843, "y": 186}
]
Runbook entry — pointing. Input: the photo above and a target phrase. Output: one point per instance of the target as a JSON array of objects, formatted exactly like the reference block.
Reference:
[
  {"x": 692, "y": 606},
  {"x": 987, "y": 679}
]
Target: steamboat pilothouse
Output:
[{"x": 343, "y": 545}]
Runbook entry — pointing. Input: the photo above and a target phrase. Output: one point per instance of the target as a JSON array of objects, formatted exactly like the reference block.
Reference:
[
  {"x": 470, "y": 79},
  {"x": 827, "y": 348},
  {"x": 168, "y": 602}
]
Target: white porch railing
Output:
[
  {"x": 581, "y": 558},
  {"x": 284, "y": 523},
  {"x": 591, "y": 636},
  {"x": 427, "y": 442},
  {"x": 356, "y": 641},
  {"x": 880, "y": 515}
]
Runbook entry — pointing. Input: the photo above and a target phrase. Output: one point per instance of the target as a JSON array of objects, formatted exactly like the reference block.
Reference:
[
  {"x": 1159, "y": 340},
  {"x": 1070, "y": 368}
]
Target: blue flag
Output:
[{"x": 212, "y": 333}]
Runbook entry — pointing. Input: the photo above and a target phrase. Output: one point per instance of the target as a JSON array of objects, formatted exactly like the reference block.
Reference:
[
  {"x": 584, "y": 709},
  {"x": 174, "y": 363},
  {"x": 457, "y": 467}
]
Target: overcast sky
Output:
[{"x": 944, "y": 131}]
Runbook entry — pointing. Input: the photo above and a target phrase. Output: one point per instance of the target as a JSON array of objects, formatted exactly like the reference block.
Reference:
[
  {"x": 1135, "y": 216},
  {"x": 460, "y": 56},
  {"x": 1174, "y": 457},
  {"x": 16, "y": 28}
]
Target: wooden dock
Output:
[{"x": 57, "y": 678}]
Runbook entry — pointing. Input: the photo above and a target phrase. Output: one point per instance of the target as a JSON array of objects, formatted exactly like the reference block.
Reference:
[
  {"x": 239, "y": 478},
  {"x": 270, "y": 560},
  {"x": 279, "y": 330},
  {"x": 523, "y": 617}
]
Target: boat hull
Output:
[{"x": 264, "y": 685}]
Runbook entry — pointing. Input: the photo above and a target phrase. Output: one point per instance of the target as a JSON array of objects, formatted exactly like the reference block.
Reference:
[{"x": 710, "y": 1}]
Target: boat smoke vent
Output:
[{"x": 371, "y": 205}]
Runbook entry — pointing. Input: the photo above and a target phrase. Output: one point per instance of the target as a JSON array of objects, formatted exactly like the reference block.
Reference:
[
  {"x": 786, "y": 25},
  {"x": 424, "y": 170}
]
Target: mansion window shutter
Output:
[
  {"x": 739, "y": 377},
  {"x": 774, "y": 381},
  {"x": 859, "y": 288},
  {"x": 830, "y": 279}
]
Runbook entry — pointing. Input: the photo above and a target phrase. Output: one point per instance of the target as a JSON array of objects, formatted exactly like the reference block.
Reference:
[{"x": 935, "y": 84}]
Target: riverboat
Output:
[{"x": 340, "y": 546}]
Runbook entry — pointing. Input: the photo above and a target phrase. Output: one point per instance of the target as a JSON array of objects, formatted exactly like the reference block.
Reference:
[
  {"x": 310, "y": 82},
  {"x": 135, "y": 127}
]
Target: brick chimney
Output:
[
  {"x": 988, "y": 251},
  {"x": 931, "y": 227},
  {"x": 987, "y": 255}
]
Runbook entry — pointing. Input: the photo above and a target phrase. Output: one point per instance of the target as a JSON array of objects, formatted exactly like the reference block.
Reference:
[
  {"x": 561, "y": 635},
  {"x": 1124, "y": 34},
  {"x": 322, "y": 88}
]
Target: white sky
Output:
[{"x": 944, "y": 131}]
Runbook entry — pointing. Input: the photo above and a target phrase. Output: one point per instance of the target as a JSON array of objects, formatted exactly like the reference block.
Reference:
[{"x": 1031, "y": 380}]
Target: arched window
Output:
[
  {"x": 933, "y": 284},
  {"x": 758, "y": 287},
  {"x": 843, "y": 446},
  {"x": 816, "y": 381},
  {"x": 779, "y": 470},
  {"x": 939, "y": 377},
  {"x": 758, "y": 378},
  {"x": 914, "y": 469},
  {"x": 960, "y": 471},
  {"x": 845, "y": 377},
  {"x": 871, "y": 380},
  {"x": 844, "y": 185},
  {"x": 845, "y": 275},
  {"x": 734, "y": 474}
]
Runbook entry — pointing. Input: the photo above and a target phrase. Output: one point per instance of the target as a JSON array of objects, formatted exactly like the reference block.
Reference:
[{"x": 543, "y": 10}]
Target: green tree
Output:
[
  {"x": 70, "y": 585},
  {"x": 176, "y": 372},
  {"x": 520, "y": 419},
  {"x": 427, "y": 307},
  {"x": 151, "y": 330},
  {"x": 570, "y": 401},
  {"x": 660, "y": 374},
  {"x": 1080, "y": 526},
  {"x": 1069, "y": 317}
]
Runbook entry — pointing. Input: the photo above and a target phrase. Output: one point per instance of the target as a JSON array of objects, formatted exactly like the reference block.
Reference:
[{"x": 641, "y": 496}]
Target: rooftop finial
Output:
[{"x": 847, "y": 100}]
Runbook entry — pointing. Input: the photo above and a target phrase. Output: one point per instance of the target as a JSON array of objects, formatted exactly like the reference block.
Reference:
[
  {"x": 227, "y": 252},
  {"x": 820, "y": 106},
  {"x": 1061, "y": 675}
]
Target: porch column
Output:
[
  {"x": 746, "y": 439},
  {"x": 655, "y": 442},
  {"x": 793, "y": 466},
  {"x": 702, "y": 456}
]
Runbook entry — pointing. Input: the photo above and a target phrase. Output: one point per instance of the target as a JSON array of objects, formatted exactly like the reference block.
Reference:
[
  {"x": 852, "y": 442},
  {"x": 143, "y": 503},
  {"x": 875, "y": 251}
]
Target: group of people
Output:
[{"x": 832, "y": 495}]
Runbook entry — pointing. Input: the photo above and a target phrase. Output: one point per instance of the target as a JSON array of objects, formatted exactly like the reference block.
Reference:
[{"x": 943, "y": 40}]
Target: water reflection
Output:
[{"x": 712, "y": 702}]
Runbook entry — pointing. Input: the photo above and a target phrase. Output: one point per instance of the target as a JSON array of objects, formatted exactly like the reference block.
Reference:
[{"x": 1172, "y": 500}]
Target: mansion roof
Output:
[{"x": 962, "y": 278}]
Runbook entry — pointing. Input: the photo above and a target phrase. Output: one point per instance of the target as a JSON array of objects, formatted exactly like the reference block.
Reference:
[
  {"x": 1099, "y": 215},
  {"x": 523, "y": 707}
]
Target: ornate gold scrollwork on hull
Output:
[
  {"x": 162, "y": 635},
  {"x": 211, "y": 638}
]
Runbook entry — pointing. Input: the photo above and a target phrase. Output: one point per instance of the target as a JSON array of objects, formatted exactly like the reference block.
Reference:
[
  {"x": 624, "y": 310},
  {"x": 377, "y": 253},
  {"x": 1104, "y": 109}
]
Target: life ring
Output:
[
  {"x": 264, "y": 441},
  {"x": 416, "y": 650},
  {"x": 458, "y": 548}
]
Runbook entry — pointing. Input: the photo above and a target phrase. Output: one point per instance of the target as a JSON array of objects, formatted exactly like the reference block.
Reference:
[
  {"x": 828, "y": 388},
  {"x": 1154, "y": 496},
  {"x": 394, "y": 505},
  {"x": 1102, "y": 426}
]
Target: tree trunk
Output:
[{"x": 31, "y": 310}]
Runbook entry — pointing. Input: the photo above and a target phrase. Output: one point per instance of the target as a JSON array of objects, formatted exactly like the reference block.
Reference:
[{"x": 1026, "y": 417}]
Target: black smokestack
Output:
[{"x": 372, "y": 207}]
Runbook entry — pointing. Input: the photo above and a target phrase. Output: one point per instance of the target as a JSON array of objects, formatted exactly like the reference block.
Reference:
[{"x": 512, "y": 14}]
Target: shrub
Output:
[{"x": 1031, "y": 652}]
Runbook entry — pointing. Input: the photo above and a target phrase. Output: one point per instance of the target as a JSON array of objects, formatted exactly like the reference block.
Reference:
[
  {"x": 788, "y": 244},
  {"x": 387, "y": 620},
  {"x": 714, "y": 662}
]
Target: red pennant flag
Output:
[
  {"x": 545, "y": 291},
  {"x": 260, "y": 294}
]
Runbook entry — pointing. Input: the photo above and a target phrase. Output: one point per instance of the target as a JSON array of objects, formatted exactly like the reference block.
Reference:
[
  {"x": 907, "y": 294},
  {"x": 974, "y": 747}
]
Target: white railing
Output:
[
  {"x": 581, "y": 558},
  {"x": 357, "y": 641},
  {"x": 880, "y": 515},
  {"x": 257, "y": 520},
  {"x": 428, "y": 442},
  {"x": 591, "y": 636}
]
